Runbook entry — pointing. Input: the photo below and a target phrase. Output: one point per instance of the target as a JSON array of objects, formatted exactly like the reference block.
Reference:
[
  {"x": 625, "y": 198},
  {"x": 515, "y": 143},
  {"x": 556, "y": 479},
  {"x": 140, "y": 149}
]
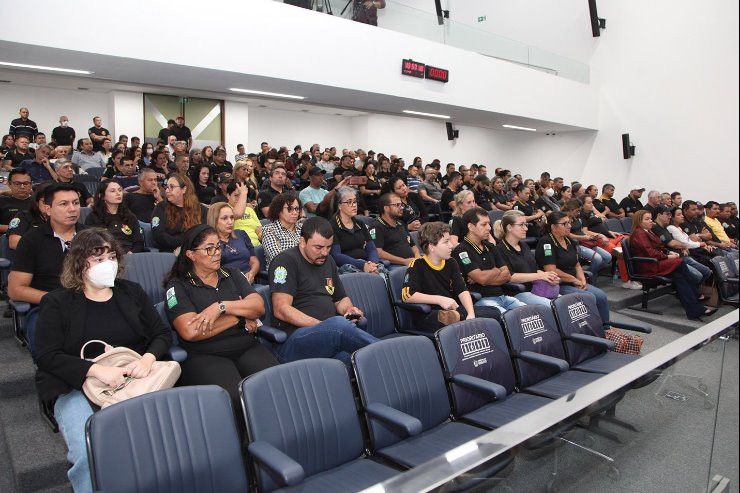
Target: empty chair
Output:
[
  {"x": 369, "y": 293},
  {"x": 477, "y": 366},
  {"x": 267, "y": 331},
  {"x": 403, "y": 310},
  {"x": 582, "y": 330},
  {"x": 727, "y": 279},
  {"x": 304, "y": 431},
  {"x": 405, "y": 401},
  {"x": 182, "y": 439},
  {"x": 539, "y": 357},
  {"x": 84, "y": 212},
  {"x": 259, "y": 252},
  {"x": 614, "y": 224},
  {"x": 149, "y": 270}
]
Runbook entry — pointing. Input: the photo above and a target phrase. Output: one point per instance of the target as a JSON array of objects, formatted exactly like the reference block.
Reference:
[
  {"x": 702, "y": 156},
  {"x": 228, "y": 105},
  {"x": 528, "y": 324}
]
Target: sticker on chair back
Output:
[
  {"x": 532, "y": 326},
  {"x": 475, "y": 346}
]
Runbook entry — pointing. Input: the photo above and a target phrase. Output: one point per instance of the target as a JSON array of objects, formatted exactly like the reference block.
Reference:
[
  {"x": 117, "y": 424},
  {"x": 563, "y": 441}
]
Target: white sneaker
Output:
[{"x": 631, "y": 285}]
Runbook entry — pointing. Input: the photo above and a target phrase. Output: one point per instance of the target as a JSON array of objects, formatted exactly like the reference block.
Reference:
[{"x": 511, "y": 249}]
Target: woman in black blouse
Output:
[
  {"x": 109, "y": 212},
  {"x": 371, "y": 189},
  {"x": 414, "y": 211},
  {"x": 203, "y": 182}
]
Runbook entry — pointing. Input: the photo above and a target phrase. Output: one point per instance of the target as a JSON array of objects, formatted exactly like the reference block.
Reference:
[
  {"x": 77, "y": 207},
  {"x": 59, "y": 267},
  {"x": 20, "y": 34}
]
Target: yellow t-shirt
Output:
[
  {"x": 716, "y": 228},
  {"x": 249, "y": 222}
]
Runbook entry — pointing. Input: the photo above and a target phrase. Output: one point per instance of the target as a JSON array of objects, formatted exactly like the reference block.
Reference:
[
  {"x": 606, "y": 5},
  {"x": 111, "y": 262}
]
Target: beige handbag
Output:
[{"x": 163, "y": 375}]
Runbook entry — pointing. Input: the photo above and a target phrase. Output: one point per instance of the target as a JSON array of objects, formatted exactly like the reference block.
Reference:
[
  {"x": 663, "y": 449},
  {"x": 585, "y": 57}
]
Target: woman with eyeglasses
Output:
[
  {"x": 414, "y": 210},
  {"x": 180, "y": 212},
  {"x": 214, "y": 311},
  {"x": 110, "y": 213},
  {"x": 93, "y": 304},
  {"x": 353, "y": 249},
  {"x": 284, "y": 230},
  {"x": 556, "y": 252},
  {"x": 511, "y": 230},
  {"x": 237, "y": 250}
]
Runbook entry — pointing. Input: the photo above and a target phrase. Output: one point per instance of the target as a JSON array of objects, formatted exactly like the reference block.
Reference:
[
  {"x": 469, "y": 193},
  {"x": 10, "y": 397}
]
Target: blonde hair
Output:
[
  {"x": 459, "y": 198},
  {"x": 213, "y": 212},
  {"x": 509, "y": 218}
]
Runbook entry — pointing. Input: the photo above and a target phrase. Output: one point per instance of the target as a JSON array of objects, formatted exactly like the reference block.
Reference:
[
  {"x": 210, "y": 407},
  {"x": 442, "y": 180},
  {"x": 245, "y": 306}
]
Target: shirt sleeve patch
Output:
[
  {"x": 14, "y": 223},
  {"x": 171, "y": 298},
  {"x": 280, "y": 275}
]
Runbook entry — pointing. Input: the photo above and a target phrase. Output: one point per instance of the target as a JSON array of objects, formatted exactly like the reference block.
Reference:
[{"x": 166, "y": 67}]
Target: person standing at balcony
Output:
[{"x": 366, "y": 11}]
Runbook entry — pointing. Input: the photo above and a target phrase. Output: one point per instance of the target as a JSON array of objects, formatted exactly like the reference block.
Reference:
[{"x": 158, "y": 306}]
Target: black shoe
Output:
[{"x": 709, "y": 311}]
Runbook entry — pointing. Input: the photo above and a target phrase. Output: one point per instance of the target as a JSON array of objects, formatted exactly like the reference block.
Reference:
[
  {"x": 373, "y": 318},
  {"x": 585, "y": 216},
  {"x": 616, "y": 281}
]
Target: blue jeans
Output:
[
  {"x": 597, "y": 256},
  {"x": 71, "y": 411},
  {"x": 503, "y": 303},
  {"x": 532, "y": 299},
  {"x": 699, "y": 271},
  {"x": 335, "y": 337},
  {"x": 602, "y": 304}
]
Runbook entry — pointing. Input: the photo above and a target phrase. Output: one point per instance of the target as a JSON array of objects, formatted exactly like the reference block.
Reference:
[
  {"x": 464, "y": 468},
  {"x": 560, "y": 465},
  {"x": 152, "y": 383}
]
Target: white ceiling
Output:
[{"x": 126, "y": 74}]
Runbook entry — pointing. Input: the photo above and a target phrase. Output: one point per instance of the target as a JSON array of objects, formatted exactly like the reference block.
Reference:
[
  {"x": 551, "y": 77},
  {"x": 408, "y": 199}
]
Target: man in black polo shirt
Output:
[
  {"x": 143, "y": 201},
  {"x": 65, "y": 174},
  {"x": 631, "y": 203},
  {"x": 63, "y": 135},
  {"x": 21, "y": 152},
  {"x": 182, "y": 132},
  {"x": 481, "y": 263},
  {"x": 653, "y": 201},
  {"x": 98, "y": 134},
  {"x": 19, "y": 182},
  {"x": 392, "y": 240},
  {"x": 607, "y": 199},
  {"x": 276, "y": 186},
  {"x": 40, "y": 253},
  {"x": 483, "y": 196},
  {"x": 309, "y": 301}
]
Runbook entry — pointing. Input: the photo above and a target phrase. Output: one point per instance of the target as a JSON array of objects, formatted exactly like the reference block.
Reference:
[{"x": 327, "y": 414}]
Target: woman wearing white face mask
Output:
[{"x": 95, "y": 304}]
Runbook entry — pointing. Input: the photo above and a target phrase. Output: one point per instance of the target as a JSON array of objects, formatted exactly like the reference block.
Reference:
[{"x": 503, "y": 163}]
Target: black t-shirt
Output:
[
  {"x": 63, "y": 136},
  {"x": 217, "y": 169},
  {"x": 219, "y": 198},
  {"x": 164, "y": 134},
  {"x": 266, "y": 196},
  {"x": 483, "y": 198},
  {"x": 351, "y": 242},
  {"x": 549, "y": 252},
  {"x": 17, "y": 158},
  {"x": 82, "y": 190},
  {"x": 599, "y": 206},
  {"x": 205, "y": 194},
  {"x": 444, "y": 201},
  {"x": 141, "y": 204},
  {"x": 649, "y": 208},
  {"x": 115, "y": 331},
  {"x": 664, "y": 235},
  {"x": 97, "y": 146},
  {"x": 314, "y": 288},
  {"x": 594, "y": 223},
  {"x": 731, "y": 227},
  {"x": 181, "y": 133},
  {"x": 439, "y": 280},
  {"x": 23, "y": 222},
  {"x": 190, "y": 295},
  {"x": 169, "y": 236},
  {"x": 528, "y": 208},
  {"x": 630, "y": 206},
  {"x": 456, "y": 227},
  {"x": 10, "y": 206},
  {"x": 469, "y": 257},
  {"x": 125, "y": 229},
  {"x": 519, "y": 262},
  {"x": 611, "y": 204},
  {"x": 392, "y": 239}
]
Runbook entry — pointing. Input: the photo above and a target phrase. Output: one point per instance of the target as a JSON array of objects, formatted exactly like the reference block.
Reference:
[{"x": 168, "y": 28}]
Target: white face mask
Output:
[
  {"x": 64, "y": 123},
  {"x": 550, "y": 192},
  {"x": 149, "y": 152},
  {"x": 103, "y": 275}
]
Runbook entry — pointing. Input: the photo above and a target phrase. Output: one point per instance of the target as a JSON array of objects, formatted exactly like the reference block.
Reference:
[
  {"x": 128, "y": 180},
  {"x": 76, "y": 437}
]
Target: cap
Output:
[
  {"x": 699, "y": 204},
  {"x": 638, "y": 188},
  {"x": 660, "y": 209},
  {"x": 223, "y": 177},
  {"x": 482, "y": 178},
  {"x": 316, "y": 171}
]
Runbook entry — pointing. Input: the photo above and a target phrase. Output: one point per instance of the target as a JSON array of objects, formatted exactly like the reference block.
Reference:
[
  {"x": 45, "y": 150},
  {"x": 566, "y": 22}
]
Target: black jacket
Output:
[{"x": 59, "y": 332}]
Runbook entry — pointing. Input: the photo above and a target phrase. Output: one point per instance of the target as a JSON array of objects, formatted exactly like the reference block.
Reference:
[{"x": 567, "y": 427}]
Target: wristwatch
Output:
[{"x": 221, "y": 307}]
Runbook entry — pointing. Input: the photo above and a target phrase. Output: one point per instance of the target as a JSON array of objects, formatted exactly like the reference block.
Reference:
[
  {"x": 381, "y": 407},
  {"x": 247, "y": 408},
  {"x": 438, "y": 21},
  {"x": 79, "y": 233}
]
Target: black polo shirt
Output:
[
  {"x": 664, "y": 235},
  {"x": 17, "y": 158},
  {"x": 483, "y": 198},
  {"x": 164, "y": 134},
  {"x": 599, "y": 206},
  {"x": 97, "y": 146},
  {"x": 549, "y": 252},
  {"x": 519, "y": 262},
  {"x": 181, "y": 133},
  {"x": 190, "y": 295},
  {"x": 10, "y": 206},
  {"x": 141, "y": 204},
  {"x": 456, "y": 227},
  {"x": 351, "y": 242},
  {"x": 444, "y": 202},
  {"x": 528, "y": 209},
  {"x": 649, "y": 208},
  {"x": 314, "y": 288},
  {"x": 393, "y": 239},
  {"x": 23, "y": 222},
  {"x": 630, "y": 206},
  {"x": 41, "y": 253},
  {"x": 610, "y": 203},
  {"x": 469, "y": 257},
  {"x": 266, "y": 195},
  {"x": 63, "y": 136}
]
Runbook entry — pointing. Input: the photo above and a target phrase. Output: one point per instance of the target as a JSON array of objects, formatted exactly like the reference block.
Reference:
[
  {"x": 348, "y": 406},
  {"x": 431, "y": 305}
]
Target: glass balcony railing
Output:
[{"x": 423, "y": 24}]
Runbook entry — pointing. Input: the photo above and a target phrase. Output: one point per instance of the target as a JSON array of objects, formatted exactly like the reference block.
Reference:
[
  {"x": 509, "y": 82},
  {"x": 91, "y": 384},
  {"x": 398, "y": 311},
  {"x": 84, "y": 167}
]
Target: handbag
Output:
[
  {"x": 545, "y": 289},
  {"x": 163, "y": 375},
  {"x": 626, "y": 343}
]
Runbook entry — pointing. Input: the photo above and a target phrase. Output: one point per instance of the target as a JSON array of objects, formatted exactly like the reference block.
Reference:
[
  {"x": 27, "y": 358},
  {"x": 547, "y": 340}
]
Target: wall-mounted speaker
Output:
[
  {"x": 595, "y": 24},
  {"x": 452, "y": 134},
  {"x": 628, "y": 149}
]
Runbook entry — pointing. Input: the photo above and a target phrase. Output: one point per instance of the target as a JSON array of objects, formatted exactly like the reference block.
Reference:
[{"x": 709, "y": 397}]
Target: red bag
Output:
[{"x": 626, "y": 343}]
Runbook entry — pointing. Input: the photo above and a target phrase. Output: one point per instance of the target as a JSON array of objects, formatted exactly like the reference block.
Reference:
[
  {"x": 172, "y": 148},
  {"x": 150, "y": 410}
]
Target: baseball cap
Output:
[
  {"x": 223, "y": 177},
  {"x": 316, "y": 171},
  {"x": 638, "y": 188},
  {"x": 660, "y": 209}
]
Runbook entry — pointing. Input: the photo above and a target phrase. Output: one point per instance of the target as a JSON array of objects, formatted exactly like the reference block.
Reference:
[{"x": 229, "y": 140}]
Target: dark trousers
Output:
[{"x": 687, "y": 291}]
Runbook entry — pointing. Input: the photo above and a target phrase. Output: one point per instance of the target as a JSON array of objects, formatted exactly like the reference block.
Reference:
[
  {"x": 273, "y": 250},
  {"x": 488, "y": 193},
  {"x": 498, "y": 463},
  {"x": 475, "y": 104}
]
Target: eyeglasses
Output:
[
  {"x": 21, "y": 183},
  {"x": 566, "y": 223},
  {"x": 172, "y": 187},
  {"x": 293, "y": 209},
  {"x": 396, "y": 204},
  {"x": 349, "y": 202},
  {"x": 211, "y": 250}
]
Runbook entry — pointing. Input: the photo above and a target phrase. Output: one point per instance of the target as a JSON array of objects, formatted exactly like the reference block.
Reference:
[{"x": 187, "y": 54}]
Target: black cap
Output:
[
  {"x": 660, "y": 209},
  {"x": 223, "y": 177},
  {"x": 316, "y": 171}
]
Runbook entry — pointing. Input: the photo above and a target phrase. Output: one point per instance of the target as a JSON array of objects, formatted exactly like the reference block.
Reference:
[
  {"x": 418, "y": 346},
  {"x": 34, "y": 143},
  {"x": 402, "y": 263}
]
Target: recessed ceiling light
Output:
[
  {"x": 263, "y": 93},
  {"x": 42, "y": 67},
  {"x": 426, "y": 114},
  {"x": 514, "y": 127}
]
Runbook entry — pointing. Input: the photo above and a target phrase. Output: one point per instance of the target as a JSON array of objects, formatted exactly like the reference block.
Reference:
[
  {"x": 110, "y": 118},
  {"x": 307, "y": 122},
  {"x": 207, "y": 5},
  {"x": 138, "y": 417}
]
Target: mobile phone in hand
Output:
[{"x": 353, "y": 316}]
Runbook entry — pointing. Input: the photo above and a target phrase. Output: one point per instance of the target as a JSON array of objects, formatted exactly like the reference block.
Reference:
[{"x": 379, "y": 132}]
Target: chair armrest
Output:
[
  {"x": 645, "y": 329},
  {"x": 475, "y": 295},
  {"x": 288, "y": 471},
  {"x": 649, "y": 260},
  {"x": 592, "y": 341},
  {"x": 152, "y": 249},
  {"x": 543, "y": 359},
  {"x": 513, "y": 287},
  {"x": 176, "y": 353},
  {"x": 4, "y": 264},
  {"x": 20, "y": 306},
  {"x": 731, "y": 280},
  {"x": 409, "y": 425},
  {"x": 272, "y": 334},
  {"x": 414, "y": 307},
  {"x": 480, "y": 385}
]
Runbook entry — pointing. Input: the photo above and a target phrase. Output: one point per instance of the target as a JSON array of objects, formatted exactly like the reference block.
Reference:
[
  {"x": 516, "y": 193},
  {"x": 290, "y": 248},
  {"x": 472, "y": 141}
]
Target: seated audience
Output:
[
  {"x": 532, "y": 214},
  {"x": 587, "y": 242},
  {"x": 653, "y": 201},
  {"x": 125, "y": 174},
  {"x": 69, "y": 317},
  {"x": 429, "y": 190},
  {"x": 245, "y": 217},
  {"x": 39, "y": 167},
  {"x": 27, "y": 220},
  {"x": 143, "y": 201},
  {"x": 644, "y": 243},
  {"x": 274, "y": 186},
  {"x": 243, "y": 174},
  {"x": 180, "y": 212},
  {"x": 237, "y": 251},
  {"x": 698, "y": 250},
  {"x": 66, "y": 173},
  {"x": 482, "y": 265},
  {"x": 661, "y": 220},
  {"x": 20, "y": 152},
  {"x": 19, "y": 183},
  {"x": 413, "y": 211},
  {"x": 85, "y": 157},
  {"x": 715, "y": 225},
  {"x": 309, "y": 301},
  {"x": 729, "y": 222},
  {"x": 392, "y": 240},
  {"x": 284, "y": 230},
  {"x": 202, "y": 180},
  {"x": 631, "y": 203},
  {"x": 371, "y": 189},
  {"x": 314, "y": 197},
  {"x": 111, "y": 214},
  {"x": 215, "y": 312},
  {"x": 556, "y": 252},
  {"x": 464, "y": 201},
  {"x": 353, "y": 249},
  {"x": 499, "y": 198}
]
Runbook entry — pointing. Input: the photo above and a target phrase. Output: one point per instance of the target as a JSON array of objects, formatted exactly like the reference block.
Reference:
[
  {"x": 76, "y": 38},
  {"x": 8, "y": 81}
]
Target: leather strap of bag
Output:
[{"x": 108, "y": 347}]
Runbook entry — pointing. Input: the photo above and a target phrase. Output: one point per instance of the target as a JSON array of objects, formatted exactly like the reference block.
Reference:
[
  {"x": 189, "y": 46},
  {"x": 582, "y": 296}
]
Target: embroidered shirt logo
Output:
[
  {"x": 329, "y": 286},
  {"x": 280, "y": 275}
]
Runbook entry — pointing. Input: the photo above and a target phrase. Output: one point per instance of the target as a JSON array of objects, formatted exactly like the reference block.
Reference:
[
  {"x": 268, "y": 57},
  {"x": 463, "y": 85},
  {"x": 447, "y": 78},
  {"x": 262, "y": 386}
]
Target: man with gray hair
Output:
[
  {"x": 142, "y": 201},
  {"x": 66, "y": 174},
  {"x": 653, "y": 201}
]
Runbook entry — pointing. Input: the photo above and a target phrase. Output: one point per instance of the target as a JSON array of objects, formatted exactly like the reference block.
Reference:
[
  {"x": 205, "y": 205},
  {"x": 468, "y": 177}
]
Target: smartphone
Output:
[
  {"x": 357, "y": 180},
  {"x": 353, "y": 316}
]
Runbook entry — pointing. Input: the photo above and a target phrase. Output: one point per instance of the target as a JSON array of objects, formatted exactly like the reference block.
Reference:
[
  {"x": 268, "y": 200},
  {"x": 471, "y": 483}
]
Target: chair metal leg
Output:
[
  {"x": 611, "y": 416},
  {"x": 17, "y": 330},
  {"x": 644, "y": 304}
]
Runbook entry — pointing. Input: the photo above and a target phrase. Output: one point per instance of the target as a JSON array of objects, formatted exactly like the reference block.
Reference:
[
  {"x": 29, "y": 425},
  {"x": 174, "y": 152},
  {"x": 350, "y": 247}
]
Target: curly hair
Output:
[
  {"x": 280, "y": 201},
  {"x": 86, "y": 243}
]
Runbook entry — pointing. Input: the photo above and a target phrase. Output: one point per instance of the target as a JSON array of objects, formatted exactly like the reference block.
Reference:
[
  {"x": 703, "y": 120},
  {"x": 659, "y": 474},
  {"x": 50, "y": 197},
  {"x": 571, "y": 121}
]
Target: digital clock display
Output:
[
  {"x": 438, "y": 74},
  {"x": 412, "y": 68}
]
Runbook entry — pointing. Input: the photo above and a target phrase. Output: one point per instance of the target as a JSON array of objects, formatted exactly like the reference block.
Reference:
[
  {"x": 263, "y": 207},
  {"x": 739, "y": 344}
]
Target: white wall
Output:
[
  {"x": 126, "y": 111},
  {"x": 290, "y": 128},
  {"x": 236, "y": 126}
]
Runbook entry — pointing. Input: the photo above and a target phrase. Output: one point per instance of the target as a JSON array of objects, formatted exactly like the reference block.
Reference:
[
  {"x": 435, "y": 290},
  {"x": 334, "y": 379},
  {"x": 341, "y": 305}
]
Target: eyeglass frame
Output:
[{"x": 216, "y": 248}]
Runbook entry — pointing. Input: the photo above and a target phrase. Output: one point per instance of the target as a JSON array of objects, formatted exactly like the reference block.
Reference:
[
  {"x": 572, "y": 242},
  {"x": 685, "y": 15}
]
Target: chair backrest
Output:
[
  {"x": 88, "y": 178},
  {"x": 723, "y": 270},
  {"x": 414, "y": 236},
  {"x": 734, "y": 263},
  {"x": 182, "y": 439},
  {"x": 576, "y": 313},
  {"x": 5, "y": 251},
  {"x": 92, "y": 186},
  {"x": 97, "y": 172},
  {"x": 474, "y": 347},
  {"x": 403, "y": 373},
  {"x": 494, "y": 215},
  {"x": 306, "y": 410},
  {"x": 369, "y": 293},
  {"x": 146, "y": 231},
  {"x": 84, "y": 212},
  {"x": 614, "y": 224},
  {"x": 533, "y": 328},
  {"x": 627, "y": 255},
  {"x": 149, "y": 270},
  {"x": 626, "y": 224},
  {"x": 395, "y": 278},
  {"x": 367, "y": 220},
  {"x": 264, "y": 291},
  {"x": 259, "y": 252},
  {"x": 265, "y": 222}
]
